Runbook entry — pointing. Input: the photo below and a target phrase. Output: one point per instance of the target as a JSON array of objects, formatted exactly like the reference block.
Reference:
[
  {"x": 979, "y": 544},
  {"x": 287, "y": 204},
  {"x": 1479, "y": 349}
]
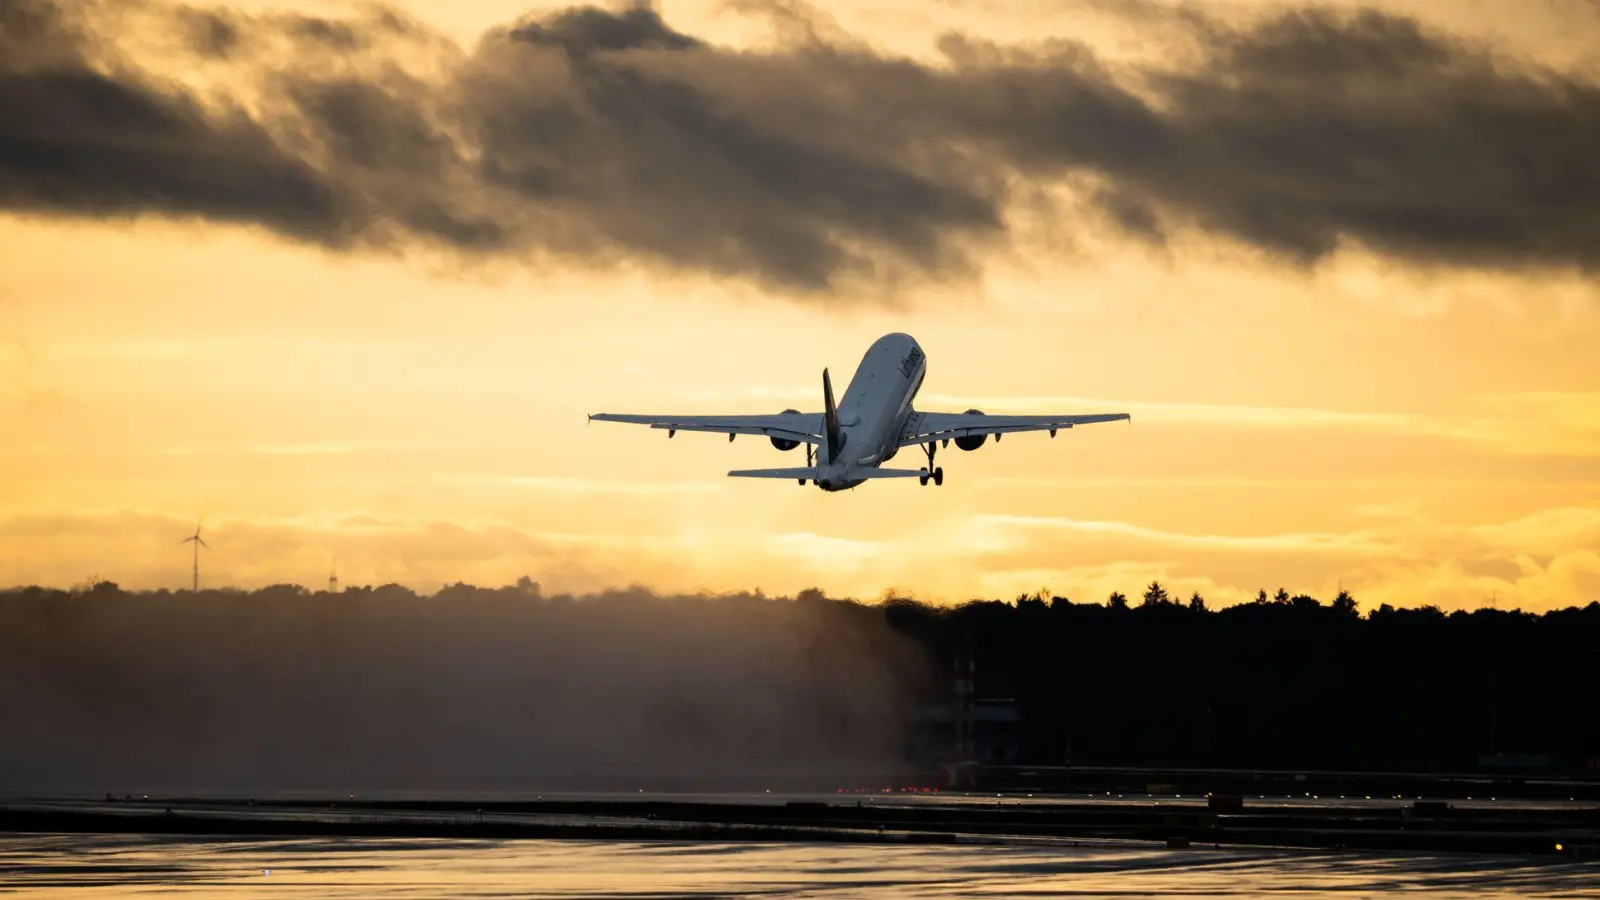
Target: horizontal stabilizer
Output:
[
  {"x": 805, "y": 472},
  {"x": 810, "y": 474}
]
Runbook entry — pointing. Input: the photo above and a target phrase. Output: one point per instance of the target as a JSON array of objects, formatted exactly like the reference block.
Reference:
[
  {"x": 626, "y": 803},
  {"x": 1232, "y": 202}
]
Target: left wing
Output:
[
  {"x": 803, "y": 427},
  {"x": 924, "y": 427}
]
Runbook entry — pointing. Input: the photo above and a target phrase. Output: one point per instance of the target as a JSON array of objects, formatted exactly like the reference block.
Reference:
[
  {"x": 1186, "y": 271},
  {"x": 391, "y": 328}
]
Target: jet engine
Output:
[
  {"x": 973, "y": 441},
  {"x": 785, "y": 443}
]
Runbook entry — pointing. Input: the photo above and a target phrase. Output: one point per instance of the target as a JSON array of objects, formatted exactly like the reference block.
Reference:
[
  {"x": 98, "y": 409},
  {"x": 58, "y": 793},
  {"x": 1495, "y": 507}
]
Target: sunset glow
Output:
[{"x": 1410, "y": 415}]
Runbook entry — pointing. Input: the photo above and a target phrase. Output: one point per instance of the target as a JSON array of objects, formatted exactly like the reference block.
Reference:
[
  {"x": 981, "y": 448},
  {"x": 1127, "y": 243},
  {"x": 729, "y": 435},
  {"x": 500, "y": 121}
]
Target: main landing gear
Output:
[
  {"x": 811, "y": 456},
  {"x": 937, "y": 474}
]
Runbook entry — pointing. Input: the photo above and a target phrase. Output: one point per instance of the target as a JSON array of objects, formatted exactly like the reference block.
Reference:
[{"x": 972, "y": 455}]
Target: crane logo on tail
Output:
[{"x": 909, "y": 364}]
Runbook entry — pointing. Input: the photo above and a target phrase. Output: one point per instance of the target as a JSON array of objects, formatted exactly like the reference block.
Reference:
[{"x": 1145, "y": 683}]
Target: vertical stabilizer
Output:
[{"x": 830, "y": 419}]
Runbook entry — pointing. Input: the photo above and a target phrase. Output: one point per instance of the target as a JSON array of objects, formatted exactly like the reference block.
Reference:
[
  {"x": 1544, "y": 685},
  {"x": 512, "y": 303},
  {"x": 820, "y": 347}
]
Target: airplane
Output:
[{"x": 848, "y": 443}]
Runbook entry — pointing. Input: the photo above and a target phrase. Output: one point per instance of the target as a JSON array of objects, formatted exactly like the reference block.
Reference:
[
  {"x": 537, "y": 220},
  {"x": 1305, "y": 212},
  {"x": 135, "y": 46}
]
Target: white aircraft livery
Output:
[{"x": 847, "y": 444}]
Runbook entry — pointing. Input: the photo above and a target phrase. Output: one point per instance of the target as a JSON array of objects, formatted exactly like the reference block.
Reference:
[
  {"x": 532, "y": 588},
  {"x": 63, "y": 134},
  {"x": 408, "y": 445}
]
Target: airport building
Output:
[{"x": 987, "y": 732}]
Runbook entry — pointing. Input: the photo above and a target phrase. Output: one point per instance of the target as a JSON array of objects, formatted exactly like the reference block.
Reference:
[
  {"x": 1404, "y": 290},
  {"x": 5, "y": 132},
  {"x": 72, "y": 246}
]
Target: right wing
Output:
[
  {"x": 920, "y": 428},
  {"x": 805, "y": 428}
]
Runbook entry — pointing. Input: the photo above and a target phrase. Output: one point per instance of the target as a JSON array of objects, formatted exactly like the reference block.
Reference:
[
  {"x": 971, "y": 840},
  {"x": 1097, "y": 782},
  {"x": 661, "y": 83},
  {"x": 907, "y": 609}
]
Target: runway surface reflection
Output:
[{"x": 121, "y": 866}]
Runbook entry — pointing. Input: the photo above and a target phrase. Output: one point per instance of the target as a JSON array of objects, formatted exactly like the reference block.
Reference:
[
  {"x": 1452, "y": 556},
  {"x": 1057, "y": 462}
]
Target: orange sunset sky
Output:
[{"x": 1338, "y": 260}]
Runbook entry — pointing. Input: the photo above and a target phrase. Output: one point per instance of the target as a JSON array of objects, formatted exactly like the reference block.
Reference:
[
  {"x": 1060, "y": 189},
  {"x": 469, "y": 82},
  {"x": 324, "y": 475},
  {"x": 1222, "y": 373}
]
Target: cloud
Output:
[
  {"x": 1543, "y": 423},
  {"x": 1552, "y": 423},
  {"x": 569, "y": 485},
  {"x": 1180, "y": 413},
  {"x": 1541, "y": 560},
  {"x": 1277, "y": 543},
  {"x": 82, "y": 141},
  {"x": 609, "y": 137}
]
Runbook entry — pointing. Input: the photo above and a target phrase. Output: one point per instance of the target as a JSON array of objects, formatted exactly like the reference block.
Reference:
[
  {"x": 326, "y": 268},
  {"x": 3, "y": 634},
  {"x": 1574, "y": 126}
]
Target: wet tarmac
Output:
[{"x": 37, "y": 866}]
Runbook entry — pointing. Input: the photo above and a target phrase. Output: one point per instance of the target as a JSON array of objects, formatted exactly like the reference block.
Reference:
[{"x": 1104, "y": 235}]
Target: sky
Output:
[{"x": 341, "y": 281}]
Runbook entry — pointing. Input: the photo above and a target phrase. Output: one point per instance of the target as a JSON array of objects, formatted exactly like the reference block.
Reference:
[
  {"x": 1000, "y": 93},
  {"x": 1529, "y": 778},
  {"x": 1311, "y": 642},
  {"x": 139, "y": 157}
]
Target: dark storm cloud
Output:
[
  {"x": 609, "y": 136},
  {"x": 77, "y": 140},
  {"x": 1313, "y": 129},
  {"x": 586, "y": 29}
]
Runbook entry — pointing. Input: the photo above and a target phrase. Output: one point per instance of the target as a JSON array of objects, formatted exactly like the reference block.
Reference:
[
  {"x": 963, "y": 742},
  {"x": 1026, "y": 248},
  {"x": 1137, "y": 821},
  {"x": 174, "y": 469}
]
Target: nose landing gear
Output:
[{"x": 937, "y": 474}]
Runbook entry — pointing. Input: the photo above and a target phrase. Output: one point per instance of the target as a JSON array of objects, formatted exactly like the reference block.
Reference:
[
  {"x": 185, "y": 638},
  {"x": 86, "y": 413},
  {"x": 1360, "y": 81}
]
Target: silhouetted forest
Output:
[
  {"x": 501, "y": 688},
  {"x": 1283, "y": 681}
]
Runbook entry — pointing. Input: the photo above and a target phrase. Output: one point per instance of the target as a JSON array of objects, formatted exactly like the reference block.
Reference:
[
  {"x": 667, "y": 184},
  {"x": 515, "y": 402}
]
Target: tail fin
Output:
[{"x": 830, "y": 419}]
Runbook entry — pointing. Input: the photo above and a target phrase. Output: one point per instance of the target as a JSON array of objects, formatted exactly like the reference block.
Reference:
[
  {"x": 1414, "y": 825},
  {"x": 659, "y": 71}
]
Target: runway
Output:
[{"x": 1547, "y": 828}]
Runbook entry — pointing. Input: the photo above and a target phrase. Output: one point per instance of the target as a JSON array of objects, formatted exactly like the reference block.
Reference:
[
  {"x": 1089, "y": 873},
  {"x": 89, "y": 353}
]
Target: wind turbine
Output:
[{"x": 198, "y": 543}]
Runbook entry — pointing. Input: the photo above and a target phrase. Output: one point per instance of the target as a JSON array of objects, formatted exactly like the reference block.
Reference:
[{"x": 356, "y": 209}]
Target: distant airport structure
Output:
[{"x": 848, "y": 442}]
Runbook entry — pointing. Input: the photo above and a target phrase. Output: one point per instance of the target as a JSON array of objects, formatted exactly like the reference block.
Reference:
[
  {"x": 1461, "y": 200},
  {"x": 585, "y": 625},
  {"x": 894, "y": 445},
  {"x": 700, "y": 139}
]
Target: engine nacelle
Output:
[
  {"x": 974, "y": 441},
  {"x": 785, "y": 443}
]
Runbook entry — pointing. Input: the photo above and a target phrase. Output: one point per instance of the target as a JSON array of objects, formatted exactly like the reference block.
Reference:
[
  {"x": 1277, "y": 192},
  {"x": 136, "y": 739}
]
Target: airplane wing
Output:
[
  {"x": 807, "y": 428},
  {"x": 922, "y": 428}
]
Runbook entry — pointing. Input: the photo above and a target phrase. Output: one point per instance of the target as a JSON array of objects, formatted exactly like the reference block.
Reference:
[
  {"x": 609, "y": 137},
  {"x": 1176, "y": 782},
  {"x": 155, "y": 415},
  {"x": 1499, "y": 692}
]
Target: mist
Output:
[
  {"x": 508, "y": 690},
  {"x": 370, "y": 689}
]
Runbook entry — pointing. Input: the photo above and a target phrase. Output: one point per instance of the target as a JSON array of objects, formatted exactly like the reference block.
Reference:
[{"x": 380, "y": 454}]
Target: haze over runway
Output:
[{"x": 345, "y": 281}]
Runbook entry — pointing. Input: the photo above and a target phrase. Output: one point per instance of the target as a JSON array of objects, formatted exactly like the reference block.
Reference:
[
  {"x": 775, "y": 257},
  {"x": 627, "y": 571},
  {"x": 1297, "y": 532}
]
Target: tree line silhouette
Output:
[
  {"x": 285, "y": 686},
  {"x": 1283, "y": 681}
]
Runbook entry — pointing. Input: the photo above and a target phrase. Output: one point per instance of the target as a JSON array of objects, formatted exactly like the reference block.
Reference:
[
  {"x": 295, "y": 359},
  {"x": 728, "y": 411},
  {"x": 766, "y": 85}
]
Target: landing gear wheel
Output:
[
  {"x": 938, "y": 476},
  {"x": 802, "y": 481},
  {"x": 924, "y": 480}
]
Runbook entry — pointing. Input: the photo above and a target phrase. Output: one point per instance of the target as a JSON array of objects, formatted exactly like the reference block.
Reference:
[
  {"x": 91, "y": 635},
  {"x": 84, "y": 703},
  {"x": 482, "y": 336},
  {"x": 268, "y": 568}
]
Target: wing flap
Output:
[
  {"x": 803, "y": 427},
  {"x": 924, "y": 427}
]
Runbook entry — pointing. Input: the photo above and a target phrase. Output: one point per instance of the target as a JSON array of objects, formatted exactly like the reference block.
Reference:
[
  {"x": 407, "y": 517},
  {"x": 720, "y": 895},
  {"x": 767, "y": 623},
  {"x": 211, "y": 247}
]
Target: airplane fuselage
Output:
[
  {"x": 874, "y": 409},
  {"x": 848, "y": 443}
]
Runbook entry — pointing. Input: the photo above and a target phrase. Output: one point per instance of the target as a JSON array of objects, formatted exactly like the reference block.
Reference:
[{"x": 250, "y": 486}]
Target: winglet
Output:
[{"x": 830, "y": 418}]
